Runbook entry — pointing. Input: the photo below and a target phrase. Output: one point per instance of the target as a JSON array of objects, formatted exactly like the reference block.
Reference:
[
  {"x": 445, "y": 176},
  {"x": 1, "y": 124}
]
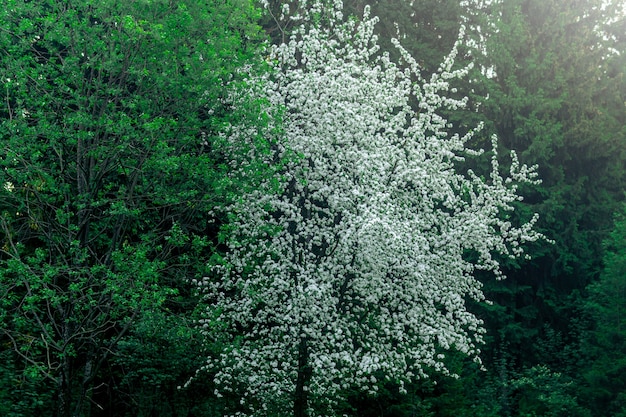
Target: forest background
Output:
[{"x": 113, "y": 165}]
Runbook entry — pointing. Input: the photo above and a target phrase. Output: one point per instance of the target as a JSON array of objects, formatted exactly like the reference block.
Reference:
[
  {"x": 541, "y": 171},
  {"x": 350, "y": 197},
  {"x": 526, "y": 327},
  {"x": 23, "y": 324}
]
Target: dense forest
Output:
[{"x": 313, "y": 208}]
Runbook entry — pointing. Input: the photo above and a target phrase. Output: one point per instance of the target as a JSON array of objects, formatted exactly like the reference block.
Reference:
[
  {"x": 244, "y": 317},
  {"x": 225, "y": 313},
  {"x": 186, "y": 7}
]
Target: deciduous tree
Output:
[
  {"x": 359, "y": 270},
  {"x": 109, "y": 168}
]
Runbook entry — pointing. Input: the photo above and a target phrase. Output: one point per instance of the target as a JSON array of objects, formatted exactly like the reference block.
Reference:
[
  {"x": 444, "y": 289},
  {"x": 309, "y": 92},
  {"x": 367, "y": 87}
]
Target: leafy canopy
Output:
[
  {"x": 358, "y": 270},
  {"x": 110, "y": 167}
]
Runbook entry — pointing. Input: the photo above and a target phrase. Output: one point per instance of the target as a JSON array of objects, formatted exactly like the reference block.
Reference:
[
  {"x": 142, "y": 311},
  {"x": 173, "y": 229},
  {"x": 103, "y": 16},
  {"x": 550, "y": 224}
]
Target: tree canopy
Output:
[
  {"x": 111, "y": 165},
  {"x": 286, "y": 202},
  {"x": 359, "y": 268}
]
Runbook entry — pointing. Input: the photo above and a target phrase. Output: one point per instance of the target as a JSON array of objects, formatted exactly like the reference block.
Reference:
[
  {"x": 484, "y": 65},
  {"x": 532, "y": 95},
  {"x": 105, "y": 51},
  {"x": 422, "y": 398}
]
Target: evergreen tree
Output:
[
  {"x": 605, "y": 343},
  {"x": 553, "y": 80}
]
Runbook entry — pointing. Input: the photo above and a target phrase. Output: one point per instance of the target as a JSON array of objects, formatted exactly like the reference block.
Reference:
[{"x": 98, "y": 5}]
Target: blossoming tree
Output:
[{"x": 359, "y": 268}]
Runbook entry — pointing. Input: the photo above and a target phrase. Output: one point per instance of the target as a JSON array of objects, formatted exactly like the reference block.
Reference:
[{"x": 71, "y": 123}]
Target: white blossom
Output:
[
  {"x": 8, "y": 186},
  {"x": 361, "y": 258}
]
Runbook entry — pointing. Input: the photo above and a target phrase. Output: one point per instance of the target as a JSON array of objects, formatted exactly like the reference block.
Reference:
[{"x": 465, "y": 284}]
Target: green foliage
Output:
[
  {"x": 23, "y": 393},
  {"x": 549, "y": 100},
  {"x": 541, "y": 392},
  {"x": 556, "y": 96},
  {"x": 605, "y": 342},
  {"x": 155, "y": 359},
  {"x": 111, "y": 167}
]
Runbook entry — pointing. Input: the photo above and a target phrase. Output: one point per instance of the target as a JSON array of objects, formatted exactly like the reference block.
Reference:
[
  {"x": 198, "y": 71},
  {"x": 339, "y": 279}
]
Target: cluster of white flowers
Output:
[{"x": 362, "y": 256}]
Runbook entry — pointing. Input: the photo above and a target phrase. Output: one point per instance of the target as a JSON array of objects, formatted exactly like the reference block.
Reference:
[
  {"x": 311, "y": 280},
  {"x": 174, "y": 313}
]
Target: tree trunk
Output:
[
  {"x": 64, "y": 380},
  {"x": 83, "y": 402},
  {"x": 301, "y": 400},
  {"x": 64, "y": 391}
]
